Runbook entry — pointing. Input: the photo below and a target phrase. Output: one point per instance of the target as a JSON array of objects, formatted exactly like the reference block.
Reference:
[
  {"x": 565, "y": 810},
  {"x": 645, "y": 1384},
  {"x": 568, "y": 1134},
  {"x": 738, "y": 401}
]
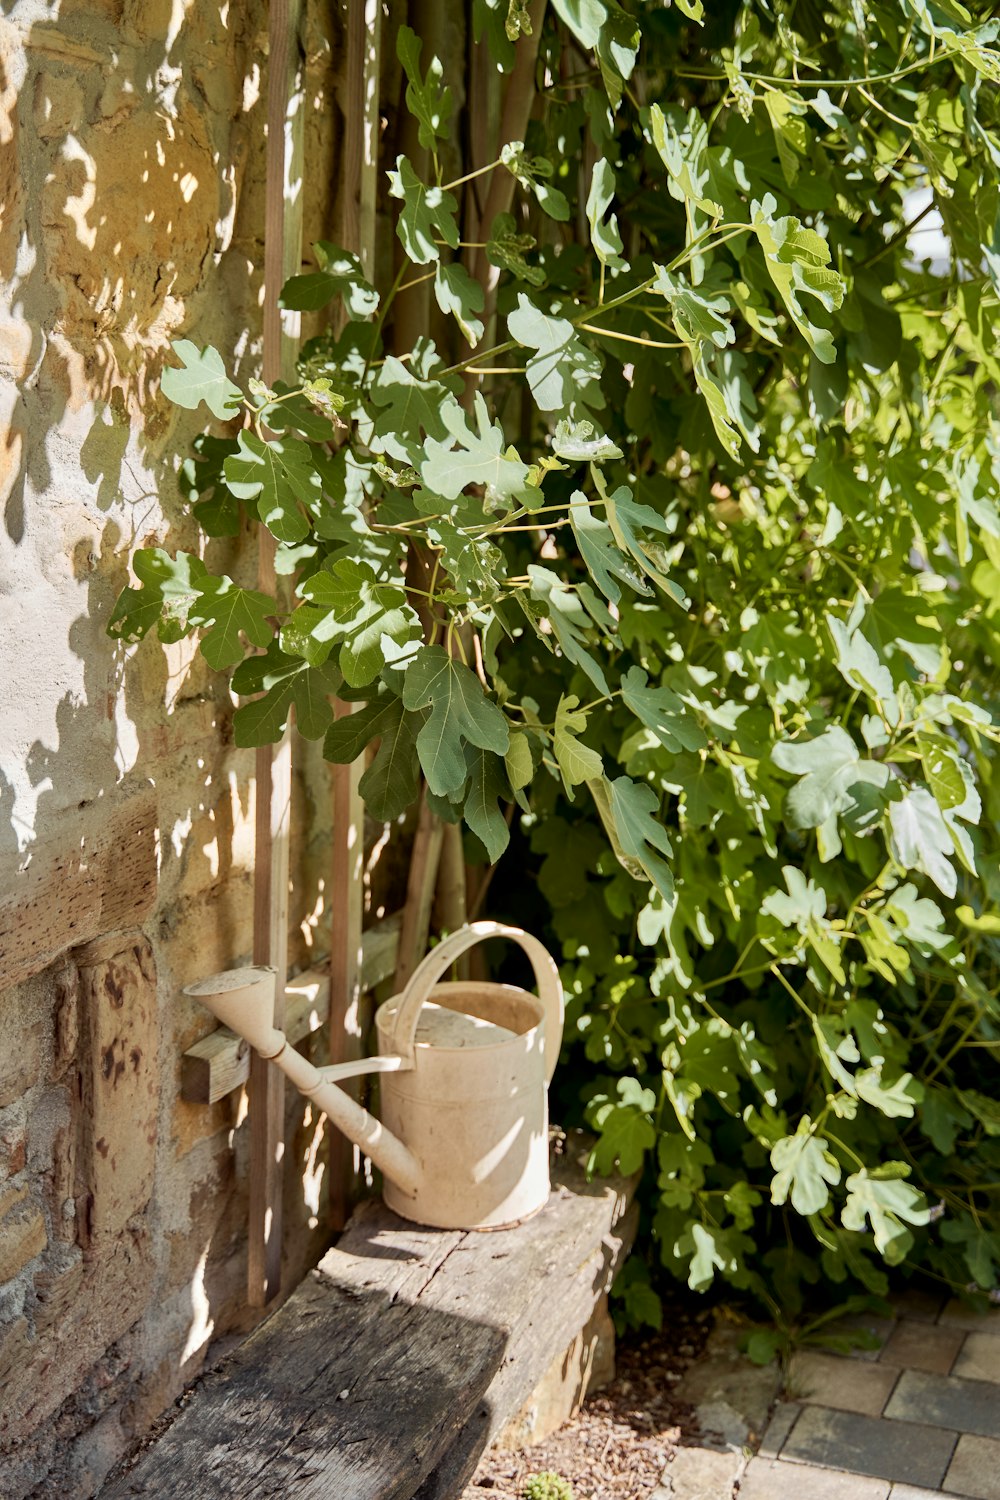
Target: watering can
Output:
[{"x": 463, "y": 1139}]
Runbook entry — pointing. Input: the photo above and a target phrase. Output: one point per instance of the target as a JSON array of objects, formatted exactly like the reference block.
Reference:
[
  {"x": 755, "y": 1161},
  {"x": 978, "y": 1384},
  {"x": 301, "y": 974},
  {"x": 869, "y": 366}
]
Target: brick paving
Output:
[{"x": 916, "y": 1419}]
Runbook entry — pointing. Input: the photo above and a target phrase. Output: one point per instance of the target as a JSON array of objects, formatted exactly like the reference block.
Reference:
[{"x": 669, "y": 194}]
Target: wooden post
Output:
[
  {"x": 282, "y": 257},
  {"x": 419, "y": 893},
  {"x": 357, "y": 233}
]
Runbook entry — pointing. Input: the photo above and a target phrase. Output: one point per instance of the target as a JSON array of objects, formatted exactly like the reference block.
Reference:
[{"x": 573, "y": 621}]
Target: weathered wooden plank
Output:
[
  {"x": 359, "y": 188},
  {"x": 282, "y": 257},
  {"x": 220, "y": 1061},
  {"x": 387, "y": 1356},
  {"x": 100, "y": 880},
  {"x": 420, "y": 888},
  {"x": 529, "y": 1355}
]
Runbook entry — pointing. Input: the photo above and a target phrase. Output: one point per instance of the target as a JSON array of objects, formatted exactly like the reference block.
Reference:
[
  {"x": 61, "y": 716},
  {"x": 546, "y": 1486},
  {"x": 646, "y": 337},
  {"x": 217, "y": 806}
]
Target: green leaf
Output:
[
  {"x": 426, "y": 99},
  {"x": 473, "y": 456},
  {"x": 635, "y": 809},
  {"x": 628, "y": 520},
  {"x": 428, "y": 214},
  {"x": 569, "y": 620},
  {"x": 391, "y": 782},
  {"x": 228, "y": 610},
  {"x": 179, "y": 593},
  {"x": 625, "y": 1133},
  {"x": 533, "y": 173},
  {"x": 604, "y": 234},
  {"x": 507, "y": 249},
  {"x": 340, "y": 274},
  {"x": 281, "y": 477},
  {"x": 460, "y": 714},
  {"x": 579, "y": 441},
  {"x": 897, "y": 1099},
  {"x": 682, "y": 142},
  {"x": 202, "y": 378},
  {"x": 285, "y": 682},
  {"x": 562, "y": 371},
  {"x": 859, "y": 664},
  {"x": 599, "y": 550},
  {"x": 355, "y": 609},
  {"x": 577, "y": 762},
  {"x": 663, "y": 712},
  {"x": 832, "y": 776},
  {"x": 797, "y": 261},
  {"x": 410, "y": 407},
  {"x": 804, "y": 1169},
  {"x": 169, "y": 586},
  {"x": 919, "y": 838},
  {"x": 459, "y": 294},
  {"x": 202, "y": 484},
  {"x": 518, "y": 762},
  {"x": 889, "y": 1204},
  {"x": 480, "y": 809}
]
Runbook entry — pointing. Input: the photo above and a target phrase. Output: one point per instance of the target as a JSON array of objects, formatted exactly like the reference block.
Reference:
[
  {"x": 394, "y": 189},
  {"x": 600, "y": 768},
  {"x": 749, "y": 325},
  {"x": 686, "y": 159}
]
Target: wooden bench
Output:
[{"x": 389, "y": 1370}]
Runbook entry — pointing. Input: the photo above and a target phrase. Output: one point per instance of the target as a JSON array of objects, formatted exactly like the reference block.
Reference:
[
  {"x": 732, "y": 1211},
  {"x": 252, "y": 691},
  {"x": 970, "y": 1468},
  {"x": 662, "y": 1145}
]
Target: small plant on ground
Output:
[{"x": 548, "y": 1486}]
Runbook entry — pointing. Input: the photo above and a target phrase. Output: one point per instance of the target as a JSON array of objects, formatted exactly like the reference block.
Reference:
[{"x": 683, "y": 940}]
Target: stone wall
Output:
[{"x": 132, "y": 205}]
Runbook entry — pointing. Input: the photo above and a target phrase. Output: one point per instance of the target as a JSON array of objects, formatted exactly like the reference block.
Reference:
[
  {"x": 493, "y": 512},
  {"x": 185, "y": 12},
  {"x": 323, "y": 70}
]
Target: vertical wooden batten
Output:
[
  {"x": 282, "y": 257},
  {"x": 357, "y": 233}
]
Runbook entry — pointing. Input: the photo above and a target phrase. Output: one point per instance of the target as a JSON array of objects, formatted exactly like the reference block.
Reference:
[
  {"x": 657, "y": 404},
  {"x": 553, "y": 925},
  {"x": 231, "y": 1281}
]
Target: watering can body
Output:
[{"x": 463, "y": 1137}]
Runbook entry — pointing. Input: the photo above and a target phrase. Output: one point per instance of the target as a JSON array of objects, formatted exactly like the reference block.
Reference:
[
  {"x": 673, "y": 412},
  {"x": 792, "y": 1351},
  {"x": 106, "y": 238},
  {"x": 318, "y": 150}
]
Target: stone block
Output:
[
  {"x": 698, "y": 1474},
  {"x": 725, "y": 1378},
  {"x": 75, "y": 888},
  {"x": 975, "y": 1469},
  {"x": 587, "y": 1365},
  {"x": 922, "y": 1346},
  {"x": 120, "y": 1089},
  {"x": 24, "y": 1040},
  {"x": 845, "y": 1384},
  {"x": 769, "y": 1480},
  {"x": 959, "y": 1314},
  {"x": 979, "y": 1358},
  {"x": 785, "y": 1415},
  {"x": 911, "y": 1492},
  {"x": 871, "y": 1446},
  {"x": 13, "y": 1151},
  {"x": 56, "y": 1291},
  {"x": 22, "y": 1232},
  {"x": 946, "y": 1401}
]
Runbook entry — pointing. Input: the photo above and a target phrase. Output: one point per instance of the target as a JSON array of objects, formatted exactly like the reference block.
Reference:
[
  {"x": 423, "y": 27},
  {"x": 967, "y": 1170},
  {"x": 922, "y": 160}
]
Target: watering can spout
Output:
[{"x": 243, "y": 1000}]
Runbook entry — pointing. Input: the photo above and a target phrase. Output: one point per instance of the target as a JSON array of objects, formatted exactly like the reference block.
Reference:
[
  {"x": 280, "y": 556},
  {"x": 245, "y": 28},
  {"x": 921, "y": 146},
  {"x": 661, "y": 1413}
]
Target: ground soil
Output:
[{"x": 619, "y": 1444}]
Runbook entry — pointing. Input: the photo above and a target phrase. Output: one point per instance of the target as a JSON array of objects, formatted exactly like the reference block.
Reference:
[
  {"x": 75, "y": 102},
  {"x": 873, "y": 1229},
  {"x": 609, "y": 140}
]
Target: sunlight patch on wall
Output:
[{"x": 202, "y": 1323}]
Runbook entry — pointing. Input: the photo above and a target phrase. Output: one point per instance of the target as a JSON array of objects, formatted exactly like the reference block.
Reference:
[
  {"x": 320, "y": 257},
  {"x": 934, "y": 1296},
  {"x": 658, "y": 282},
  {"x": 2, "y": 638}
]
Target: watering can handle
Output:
[{"x": 430, "y": 970}]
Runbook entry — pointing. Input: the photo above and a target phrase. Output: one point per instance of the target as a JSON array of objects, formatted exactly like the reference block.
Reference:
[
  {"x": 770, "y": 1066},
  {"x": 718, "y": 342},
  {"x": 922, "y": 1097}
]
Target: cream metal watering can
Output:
[{"x": 463, "y": 1140}]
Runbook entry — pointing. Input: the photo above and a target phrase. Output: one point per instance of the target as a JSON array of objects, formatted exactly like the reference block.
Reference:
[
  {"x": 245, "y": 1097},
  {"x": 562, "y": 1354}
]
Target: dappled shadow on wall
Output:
[{"x": 131, "y": 213}]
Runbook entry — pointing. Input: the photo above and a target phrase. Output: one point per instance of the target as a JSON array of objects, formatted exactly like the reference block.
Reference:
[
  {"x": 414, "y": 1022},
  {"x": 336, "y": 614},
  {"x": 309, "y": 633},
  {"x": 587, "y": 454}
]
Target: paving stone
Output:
[
  {"x": 959, "y": 1314},
  {"x": 946, "y": 1401},
  {"x": 979, "y": 1358},
  {"x": 910, "y": 1492},
  {"x": 922, "y": 1346},
  {"x": 871, "y": 1445},
  {"x": 828, "y": 1380},
  {"x": 698, "y": 1474},
  {"x": 784, "y": 1419},
  {"x": 975, "y": 1469},
  {"x": 767, "y": 1480}
]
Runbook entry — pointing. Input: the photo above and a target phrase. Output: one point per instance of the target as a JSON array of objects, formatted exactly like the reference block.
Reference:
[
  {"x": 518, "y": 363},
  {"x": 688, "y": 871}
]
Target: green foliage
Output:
[{"x": 686, "y": 584}]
